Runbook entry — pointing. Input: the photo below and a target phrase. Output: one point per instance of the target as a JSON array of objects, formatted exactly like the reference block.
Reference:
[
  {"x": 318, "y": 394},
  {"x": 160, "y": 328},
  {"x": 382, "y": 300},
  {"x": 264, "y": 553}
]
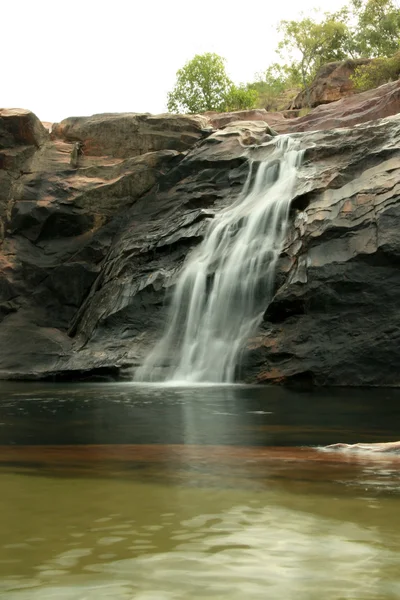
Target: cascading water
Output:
[{"x": 227, "y": 282}]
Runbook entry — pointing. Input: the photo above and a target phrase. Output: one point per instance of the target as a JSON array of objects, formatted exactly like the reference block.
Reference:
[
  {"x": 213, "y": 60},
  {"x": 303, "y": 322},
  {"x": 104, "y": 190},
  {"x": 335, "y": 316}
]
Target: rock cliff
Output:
[{"x": 97, "y": 217}]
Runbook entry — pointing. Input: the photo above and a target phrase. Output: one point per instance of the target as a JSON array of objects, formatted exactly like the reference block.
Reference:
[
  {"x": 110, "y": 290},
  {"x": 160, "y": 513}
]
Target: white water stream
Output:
[{"x": 227, "y": 281}]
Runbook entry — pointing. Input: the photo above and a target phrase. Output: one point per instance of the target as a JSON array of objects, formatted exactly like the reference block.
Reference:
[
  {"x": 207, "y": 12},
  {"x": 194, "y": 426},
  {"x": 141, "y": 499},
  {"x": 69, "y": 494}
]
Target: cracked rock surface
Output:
[{"x": 89, "y": 251}]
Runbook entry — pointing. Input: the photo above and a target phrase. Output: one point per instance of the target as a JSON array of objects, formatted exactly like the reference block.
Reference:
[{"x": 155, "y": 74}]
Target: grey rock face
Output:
[{"x": 89, "y": 254}]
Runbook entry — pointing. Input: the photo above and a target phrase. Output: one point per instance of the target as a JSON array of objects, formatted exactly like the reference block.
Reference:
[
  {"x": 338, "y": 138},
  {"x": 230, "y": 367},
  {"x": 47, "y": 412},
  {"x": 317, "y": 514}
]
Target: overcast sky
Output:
[{"x": 79, "y": 57}]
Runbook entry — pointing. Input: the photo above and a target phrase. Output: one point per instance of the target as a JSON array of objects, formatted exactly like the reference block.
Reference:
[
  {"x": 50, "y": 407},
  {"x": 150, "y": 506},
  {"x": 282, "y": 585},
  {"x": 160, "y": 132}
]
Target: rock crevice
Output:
[{"x": 89, "y": 252}]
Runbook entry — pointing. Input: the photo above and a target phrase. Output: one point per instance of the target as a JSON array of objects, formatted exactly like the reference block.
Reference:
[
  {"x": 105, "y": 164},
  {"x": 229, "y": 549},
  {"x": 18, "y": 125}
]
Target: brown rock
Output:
[
  {"x": 353, "y": 110},
  {"x": 57, "y": 223},
  {"x": 220, "y": 120},
  {"x": 347, "y": 112},
  {"x": 332, "y": 82},
  {"x": 130, "y": 134},
  {"x": 88, "y": 254},
  {"x": 47, "y": 125},
  {"x": 20, "y": 127}
]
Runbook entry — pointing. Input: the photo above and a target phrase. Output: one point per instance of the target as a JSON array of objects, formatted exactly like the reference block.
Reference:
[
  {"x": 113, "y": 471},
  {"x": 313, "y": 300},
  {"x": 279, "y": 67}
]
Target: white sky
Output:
[{"x": 79, "y": 57}]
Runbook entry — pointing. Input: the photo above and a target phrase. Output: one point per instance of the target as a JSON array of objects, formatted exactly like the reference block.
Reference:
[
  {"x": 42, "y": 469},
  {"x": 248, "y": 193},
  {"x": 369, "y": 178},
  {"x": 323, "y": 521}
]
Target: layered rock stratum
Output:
[{"x": 98, "y": 215}]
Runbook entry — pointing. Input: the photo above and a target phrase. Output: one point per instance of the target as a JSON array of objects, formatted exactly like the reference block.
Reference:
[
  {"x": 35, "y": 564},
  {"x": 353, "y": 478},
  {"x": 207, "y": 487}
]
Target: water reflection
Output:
[
  {"x": 122, "y": 492},
  {"x": 121, "y": 540},
  {"x": 232, "y": 415}
]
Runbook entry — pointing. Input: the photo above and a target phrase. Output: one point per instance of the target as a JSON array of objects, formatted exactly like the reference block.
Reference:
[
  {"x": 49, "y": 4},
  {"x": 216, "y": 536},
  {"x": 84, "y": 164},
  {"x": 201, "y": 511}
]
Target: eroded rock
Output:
[
  {"x": 90, "y": 252},
  {"x": 57, "y": 223},
  {"x": 332, "y": 82},
  {"x": 334, "y": 318},
  {"x": 347, "y": 112},
  {"x": 124, "y": 135},
  {"x": 220, "y": 120}
]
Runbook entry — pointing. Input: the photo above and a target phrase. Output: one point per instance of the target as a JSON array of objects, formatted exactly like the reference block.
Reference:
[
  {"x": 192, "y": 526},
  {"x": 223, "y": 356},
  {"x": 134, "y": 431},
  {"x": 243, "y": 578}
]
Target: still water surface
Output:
[{"x": 123, "y": 492}]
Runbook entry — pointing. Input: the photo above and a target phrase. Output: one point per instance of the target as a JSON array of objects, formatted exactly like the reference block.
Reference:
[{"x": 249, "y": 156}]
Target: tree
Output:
[
  {"x": 379, "y": 71},
  {"x": 240, "y": 97},
  {"x": 273, "y": 85},
  {"x": 202, "y": 84},
  {"x": 361, "y": 29},
  {"x": 377, "y": 30},
  {"x": 314, "y": 43}
]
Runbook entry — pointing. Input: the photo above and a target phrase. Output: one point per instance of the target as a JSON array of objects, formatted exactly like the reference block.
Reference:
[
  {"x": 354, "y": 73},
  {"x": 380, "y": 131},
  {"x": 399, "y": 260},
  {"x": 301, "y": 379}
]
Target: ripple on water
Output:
[{"x": 253, "y": 553}]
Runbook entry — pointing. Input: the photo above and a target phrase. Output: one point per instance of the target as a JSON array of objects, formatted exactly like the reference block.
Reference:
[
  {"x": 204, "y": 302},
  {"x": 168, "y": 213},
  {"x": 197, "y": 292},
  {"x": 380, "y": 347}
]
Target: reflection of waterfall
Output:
[{"x": 228, "y": 280}]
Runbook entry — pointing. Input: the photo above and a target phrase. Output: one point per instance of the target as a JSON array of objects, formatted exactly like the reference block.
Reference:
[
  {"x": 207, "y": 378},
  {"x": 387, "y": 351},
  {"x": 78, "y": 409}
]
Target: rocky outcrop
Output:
[
  {"x": 19, "y": 127},
  {"x": 125, "y": 135},
  {"x": 347, "y": 112},
  {"x": 332, "y": 82},
  {"x": 58, "y": 220},
  {"x": 334, "y": 319},
  {"x": 221, "y": 120},
  {"x": 90, "y": 248}
]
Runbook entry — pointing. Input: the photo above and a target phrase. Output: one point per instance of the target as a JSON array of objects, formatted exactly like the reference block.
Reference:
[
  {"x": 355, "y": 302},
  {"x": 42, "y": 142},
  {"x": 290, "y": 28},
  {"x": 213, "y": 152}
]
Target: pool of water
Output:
[{"x": 126, "y": 492}]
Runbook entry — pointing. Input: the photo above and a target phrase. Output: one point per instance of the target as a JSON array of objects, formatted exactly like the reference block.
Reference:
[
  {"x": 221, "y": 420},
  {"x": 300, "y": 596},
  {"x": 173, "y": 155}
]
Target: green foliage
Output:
[
  {"x": 272, "y": 84},
  {"x": 367, "y": 28},
  {"x": 377, "y": 30},
  {"x": 378, "y": 72},
  {"x": 363, "y": 28},
  {"x": 310, "y": 44},
  {"x": 240, "y": 97},
  {"x": 202, "y": 85}
]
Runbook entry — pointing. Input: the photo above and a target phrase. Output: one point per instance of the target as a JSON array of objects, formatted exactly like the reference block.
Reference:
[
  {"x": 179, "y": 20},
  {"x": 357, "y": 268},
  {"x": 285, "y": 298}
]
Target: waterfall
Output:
[{"x": 227, "y": 282}]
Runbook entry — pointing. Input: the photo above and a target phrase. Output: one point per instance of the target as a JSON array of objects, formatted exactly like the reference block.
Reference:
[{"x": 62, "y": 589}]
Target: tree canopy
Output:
[
  {"x": 377, "y": 28},
  {"x": 361, "y": 29},
  {"x": 314, "y": 43},
  {"x": 202, "y": 84}
]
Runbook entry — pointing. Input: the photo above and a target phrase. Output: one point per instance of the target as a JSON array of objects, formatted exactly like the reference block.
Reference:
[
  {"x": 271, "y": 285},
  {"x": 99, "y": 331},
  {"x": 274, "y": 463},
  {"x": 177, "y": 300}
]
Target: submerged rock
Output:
[
  {"x": 89, "y": 252},
  {"x": 378, "y": 448}
]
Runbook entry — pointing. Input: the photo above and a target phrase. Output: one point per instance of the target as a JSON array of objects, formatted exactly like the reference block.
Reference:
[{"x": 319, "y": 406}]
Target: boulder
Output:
[
  {"x": 124, "y": 135},
  {"x": 20, "y": 127},
  {"x": 332, "y": 82}
]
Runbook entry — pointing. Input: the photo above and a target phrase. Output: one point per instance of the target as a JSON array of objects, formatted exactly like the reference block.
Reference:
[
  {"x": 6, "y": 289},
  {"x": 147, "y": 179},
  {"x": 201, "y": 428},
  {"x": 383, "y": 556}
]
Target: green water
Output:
[{"x": 125, "y": 493}]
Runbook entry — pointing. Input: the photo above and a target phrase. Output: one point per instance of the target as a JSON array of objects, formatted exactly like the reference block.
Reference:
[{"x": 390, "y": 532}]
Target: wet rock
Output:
[
  {"x": 57, "y": 223},
  {"x": 334, "y": 318},
  {"x": 89, "y": 253},
  {"x": 379, "y": 448}
]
